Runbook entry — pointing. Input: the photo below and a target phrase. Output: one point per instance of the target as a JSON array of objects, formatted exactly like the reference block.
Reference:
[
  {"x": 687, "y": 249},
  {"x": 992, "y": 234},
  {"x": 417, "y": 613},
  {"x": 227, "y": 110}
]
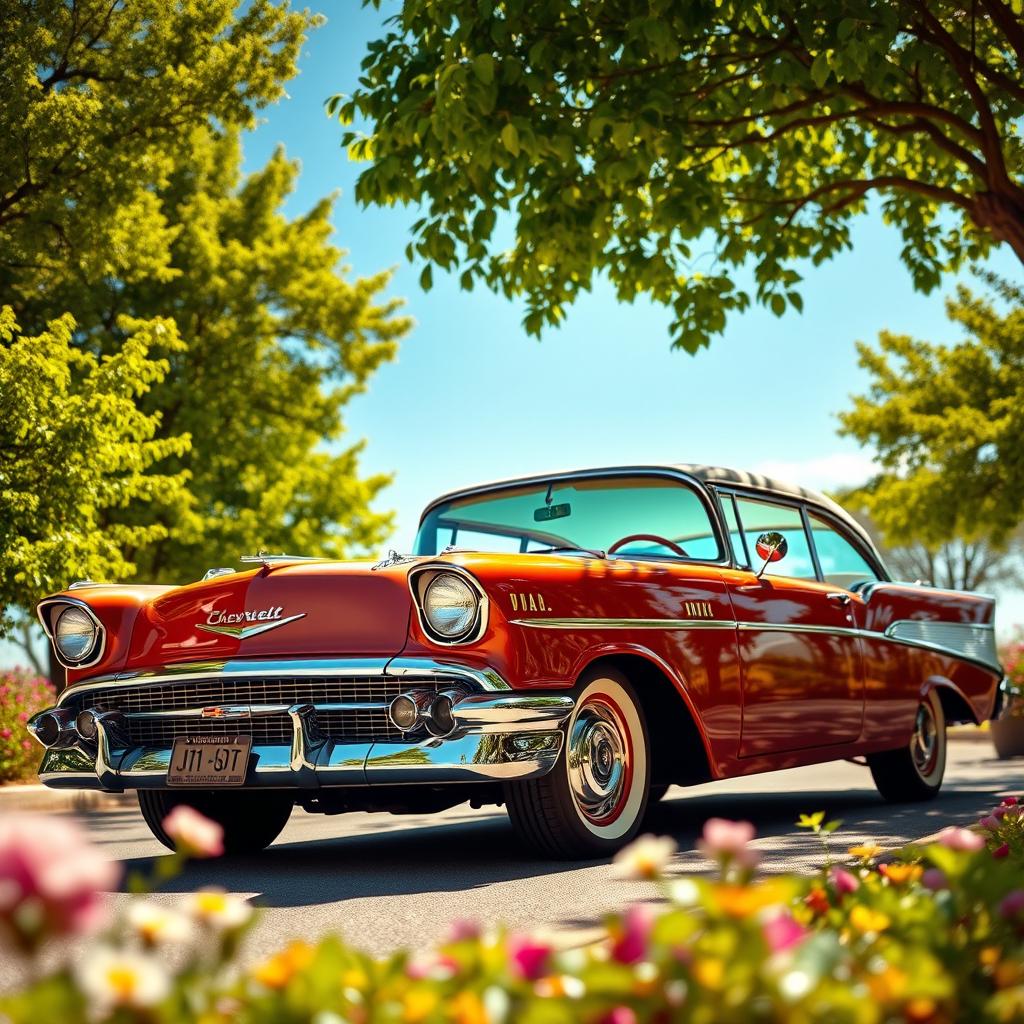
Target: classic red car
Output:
[{"x": 569, "y": 645}]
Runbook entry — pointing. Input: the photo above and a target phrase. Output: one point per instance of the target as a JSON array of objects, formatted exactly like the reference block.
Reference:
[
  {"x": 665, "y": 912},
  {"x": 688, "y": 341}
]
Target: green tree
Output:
[
  {"x": 75, "y": 450},
  {"x": 100, "y": 98},
  {"x": 947, "y": 422},
  {"x": 276, "y": 342},
  {"x": 692, "y": 152}
]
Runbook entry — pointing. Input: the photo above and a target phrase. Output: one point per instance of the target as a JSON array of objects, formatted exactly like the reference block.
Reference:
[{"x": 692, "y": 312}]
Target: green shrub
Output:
[
  {"x": 22, "y": 694},
  {"x": 934, "y": 933}
]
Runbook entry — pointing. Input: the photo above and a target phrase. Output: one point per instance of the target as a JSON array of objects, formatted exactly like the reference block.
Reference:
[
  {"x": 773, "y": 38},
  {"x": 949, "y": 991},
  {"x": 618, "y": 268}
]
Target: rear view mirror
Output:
[{"x": 772, "y": 547}]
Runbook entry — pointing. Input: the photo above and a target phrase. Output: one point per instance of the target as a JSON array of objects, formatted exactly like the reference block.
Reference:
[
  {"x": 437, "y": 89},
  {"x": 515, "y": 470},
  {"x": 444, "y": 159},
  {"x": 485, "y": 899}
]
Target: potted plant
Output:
[{"x": 1008, "y": 729}]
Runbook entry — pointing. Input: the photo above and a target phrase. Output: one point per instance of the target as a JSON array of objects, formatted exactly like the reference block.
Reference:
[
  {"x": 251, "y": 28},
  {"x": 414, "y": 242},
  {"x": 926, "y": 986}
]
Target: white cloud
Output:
[{"x": 823, "y": 472}]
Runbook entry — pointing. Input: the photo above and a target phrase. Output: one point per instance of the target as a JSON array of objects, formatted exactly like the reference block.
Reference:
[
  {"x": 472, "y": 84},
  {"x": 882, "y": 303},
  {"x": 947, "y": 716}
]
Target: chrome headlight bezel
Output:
[
  {"x": 423, "y": 578},
  {"x": 50, "y": 613}
]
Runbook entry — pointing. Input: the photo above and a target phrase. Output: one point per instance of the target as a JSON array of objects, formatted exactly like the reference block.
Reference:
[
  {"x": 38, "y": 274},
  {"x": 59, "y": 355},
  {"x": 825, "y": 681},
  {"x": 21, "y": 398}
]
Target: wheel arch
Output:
[
  {"x": 955, "y": 706},
  {"x": 679, "y": 746}
]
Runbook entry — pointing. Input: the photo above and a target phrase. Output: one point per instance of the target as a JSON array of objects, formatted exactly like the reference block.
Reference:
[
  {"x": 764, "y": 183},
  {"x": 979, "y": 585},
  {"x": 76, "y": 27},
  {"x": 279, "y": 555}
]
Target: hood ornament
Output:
[{"x": 242, "y": 625}]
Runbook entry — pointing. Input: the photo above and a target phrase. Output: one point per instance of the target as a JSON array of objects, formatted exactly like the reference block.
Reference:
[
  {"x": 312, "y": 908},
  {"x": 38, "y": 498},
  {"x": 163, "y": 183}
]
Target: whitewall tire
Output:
[{"x": 594, "y": 799}]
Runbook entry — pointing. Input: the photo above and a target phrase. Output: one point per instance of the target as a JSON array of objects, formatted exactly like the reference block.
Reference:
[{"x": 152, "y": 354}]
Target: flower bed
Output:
[
  {"x": 934, "y": 933},
  {"x": 22, "y": 694}
]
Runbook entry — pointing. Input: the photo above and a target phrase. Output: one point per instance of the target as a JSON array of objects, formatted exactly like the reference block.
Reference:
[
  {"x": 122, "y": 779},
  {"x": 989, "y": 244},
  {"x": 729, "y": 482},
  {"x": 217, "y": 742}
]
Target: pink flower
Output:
[
  {"x": 843, "y": 881},
  {"x": 961, "y": 839},
  {"x": 52, "y": 880},
  {"x": 1001, "y": 851},
  {"x": 728, "y": 841},
  {"x": 1010, "y": 801},
  {"x": 463, "y": 930},
  {"x": 781, "y": 932},
  {"x": 631, "y": 943},
  {"x": 935, "y": 880},
  {"x": 620, "y": 1015},
  {"x": 194, "y": 834},
  {"x": 527, "y": 957},
  {"x": 1000, "y": 812},
  {"x": 5, "y": 734},
  {"x": 1012, "y": 904},
  {"x": 991, "y": 822}
]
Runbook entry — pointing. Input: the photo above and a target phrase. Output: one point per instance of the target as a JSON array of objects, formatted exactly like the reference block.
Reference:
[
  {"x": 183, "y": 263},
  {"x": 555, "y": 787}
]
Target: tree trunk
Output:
[{"x": 1003, "y": 215}]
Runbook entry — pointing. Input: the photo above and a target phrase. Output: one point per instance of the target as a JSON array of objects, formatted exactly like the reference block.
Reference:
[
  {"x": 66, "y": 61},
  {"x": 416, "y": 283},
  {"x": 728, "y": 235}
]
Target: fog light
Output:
[
  {"x": 441, "y": 716},
  {"x": 85, "y": 723},
  {"x": 404, "y": 713},
  {"x": 47, "y": 728}
]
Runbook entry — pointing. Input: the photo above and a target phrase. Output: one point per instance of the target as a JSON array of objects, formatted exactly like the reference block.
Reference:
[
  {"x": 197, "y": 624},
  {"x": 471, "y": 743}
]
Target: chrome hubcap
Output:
[
  {"x": 598, "y": 759},
  {"x": 924, "y": 744}
]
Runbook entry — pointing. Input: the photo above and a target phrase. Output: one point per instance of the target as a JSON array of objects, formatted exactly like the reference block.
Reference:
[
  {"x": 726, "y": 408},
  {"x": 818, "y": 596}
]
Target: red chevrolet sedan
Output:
[{"x": 567, "y": 645}]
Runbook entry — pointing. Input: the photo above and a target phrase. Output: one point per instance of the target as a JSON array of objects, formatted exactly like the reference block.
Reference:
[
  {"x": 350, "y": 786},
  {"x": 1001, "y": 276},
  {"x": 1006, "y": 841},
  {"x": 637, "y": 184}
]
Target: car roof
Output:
[{"x": 718, "y": 475}]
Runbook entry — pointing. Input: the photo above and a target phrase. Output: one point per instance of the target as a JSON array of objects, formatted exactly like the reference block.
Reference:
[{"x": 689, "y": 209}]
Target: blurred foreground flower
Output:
[
  {"x": 110, "y": 978},
  {"x": 218, "y": 909},
  {"x": 729, "y": 842},
  {"x": 646, "y": 857},
  {"x": 52, "y": 880},
  {"x": 156, "y": 924},
  {"x": 193, "y": 833},
  {"x": 961, "y": 839}
]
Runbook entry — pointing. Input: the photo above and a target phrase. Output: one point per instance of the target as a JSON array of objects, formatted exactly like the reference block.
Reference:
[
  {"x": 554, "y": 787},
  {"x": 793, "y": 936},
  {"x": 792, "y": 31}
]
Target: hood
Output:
[{"x": 295, "y": 610}]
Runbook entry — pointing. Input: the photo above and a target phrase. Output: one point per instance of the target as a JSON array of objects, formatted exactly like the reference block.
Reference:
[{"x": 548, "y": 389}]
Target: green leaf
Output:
[
  {"x": 820, "y": 69},
  {"x": 510, "y": 138},
  {"x": 778, "y": 304},
  {"x": 427, "y": 278},
  {"x": 483, "y": 67}
]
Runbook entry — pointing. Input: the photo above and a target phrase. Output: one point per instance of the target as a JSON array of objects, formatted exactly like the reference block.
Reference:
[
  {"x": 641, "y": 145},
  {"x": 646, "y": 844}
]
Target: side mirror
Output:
[{"x": 772, "y": 547}]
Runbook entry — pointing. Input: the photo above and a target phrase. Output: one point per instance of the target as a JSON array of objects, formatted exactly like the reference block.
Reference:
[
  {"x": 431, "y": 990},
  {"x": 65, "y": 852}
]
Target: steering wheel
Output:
[{"x": 664, "y": 541}]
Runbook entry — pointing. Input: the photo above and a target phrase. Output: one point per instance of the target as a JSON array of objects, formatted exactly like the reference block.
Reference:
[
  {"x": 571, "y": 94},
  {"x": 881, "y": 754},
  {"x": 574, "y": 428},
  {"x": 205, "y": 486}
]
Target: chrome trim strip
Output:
[
  {"x": 426, "y": 668},
  {"x": 100, "y": 644},
  {"x": 582, "y": 622},
  {"x": 233, "y": 712},
  {"x": 930, "y": 645},
  {"x": 519, "y": 713},
  {"x": 244, "y": 632}
]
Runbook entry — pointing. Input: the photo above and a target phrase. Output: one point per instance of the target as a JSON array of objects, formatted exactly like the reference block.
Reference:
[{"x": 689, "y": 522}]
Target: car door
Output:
[{"x": 800, "y": 659}]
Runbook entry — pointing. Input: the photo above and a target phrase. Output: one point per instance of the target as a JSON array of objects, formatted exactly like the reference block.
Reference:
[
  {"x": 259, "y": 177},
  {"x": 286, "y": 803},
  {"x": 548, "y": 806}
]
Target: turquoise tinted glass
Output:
[
  {"x": 760, "y": 517},
  {"x": 840, "y": 561},
  {"x": 592, "y": 513}
]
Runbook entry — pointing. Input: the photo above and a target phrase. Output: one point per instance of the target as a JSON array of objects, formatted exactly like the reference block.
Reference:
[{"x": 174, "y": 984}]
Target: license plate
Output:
[{"x": 209, "y": 761}]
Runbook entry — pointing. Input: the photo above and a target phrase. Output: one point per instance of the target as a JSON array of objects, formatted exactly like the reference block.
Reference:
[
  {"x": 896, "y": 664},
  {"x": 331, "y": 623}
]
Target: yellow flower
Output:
[
  {"x": 282, "y": 967},
  {"x": 1007, "y": 974},
  {"x": 920, "y": 1009},
  {"x": 989, "y": 956},
  {"x": 466, "y": 1008},
  {"x": 709, "y": 972},
  {"x": 745, "y": 900},
  {"x": 865, "y": 920},
  {"x": 865, "y": 851},
  {"x": 155, "y": 923},
  {"x": 888, "y": 985},
  {"x": 418, "y": 1005}
]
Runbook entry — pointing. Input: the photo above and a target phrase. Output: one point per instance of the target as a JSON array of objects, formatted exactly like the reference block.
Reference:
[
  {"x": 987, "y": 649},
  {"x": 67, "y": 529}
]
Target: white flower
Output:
[
  {"x": 111, "y": 977},
  {"x": 155, "y": 923},
  {"x": 646, "y": 857},
  {"x": 219, "y": 909}
]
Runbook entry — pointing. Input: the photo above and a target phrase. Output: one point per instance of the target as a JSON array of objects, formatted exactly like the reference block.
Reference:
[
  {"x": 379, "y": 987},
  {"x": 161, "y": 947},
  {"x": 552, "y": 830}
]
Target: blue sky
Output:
[{"x": 472, "y": 398}]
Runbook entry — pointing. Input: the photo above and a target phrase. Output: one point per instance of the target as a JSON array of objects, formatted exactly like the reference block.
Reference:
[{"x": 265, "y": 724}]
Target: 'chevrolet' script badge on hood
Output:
[{"x": 242, "y": 625}]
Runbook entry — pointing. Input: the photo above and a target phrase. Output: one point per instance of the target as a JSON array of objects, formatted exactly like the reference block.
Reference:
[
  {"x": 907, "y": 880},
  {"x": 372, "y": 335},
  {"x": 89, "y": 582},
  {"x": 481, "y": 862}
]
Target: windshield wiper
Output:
[{"x": 593, "y": 552}]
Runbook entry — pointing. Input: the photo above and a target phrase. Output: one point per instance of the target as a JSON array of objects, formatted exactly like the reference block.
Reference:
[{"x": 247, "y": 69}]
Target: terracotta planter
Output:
[{"x": 1008, "y": 735}]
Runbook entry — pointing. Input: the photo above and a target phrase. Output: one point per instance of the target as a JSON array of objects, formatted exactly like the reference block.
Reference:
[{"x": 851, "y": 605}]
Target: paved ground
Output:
[{"x": 385, "y": 881}]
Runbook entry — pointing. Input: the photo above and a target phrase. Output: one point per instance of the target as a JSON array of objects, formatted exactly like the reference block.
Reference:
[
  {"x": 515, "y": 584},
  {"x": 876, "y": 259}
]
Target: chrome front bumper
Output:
[{"x": 500, "y": 735}]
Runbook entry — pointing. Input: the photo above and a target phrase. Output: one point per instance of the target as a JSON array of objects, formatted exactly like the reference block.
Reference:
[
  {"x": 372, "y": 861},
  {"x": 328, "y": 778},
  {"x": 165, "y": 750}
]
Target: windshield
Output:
[{"x": 579, "y": 514}]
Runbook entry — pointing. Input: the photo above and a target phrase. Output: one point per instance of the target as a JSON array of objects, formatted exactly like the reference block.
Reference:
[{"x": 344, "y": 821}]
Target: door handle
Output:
[{"x": 839, "y": 597}]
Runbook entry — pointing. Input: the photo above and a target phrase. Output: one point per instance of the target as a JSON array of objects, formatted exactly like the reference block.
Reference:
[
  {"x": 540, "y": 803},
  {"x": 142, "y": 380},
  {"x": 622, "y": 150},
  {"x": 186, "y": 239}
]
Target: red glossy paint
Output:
[{"x": 774, "y": 671}]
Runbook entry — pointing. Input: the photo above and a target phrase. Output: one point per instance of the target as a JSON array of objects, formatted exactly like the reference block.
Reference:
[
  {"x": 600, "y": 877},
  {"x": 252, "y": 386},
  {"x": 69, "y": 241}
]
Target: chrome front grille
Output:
[{"x": 365, "y": 721}]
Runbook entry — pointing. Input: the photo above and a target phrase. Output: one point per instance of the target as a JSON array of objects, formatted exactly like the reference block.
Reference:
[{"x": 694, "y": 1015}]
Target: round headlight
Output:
[
  {"x": 450, "y": 605},
  {"x": 74, "y": 635}
]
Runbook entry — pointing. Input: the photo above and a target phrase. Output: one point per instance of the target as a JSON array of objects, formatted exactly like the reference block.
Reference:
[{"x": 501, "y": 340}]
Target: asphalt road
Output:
[{"x": 384, "y": 881}]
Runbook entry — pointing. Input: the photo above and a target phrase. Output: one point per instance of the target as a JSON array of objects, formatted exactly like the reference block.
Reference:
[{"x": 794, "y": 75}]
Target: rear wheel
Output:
[
  {"x": 251, "y": 820},
  {"x": 914, "y": 772},
  {"x": 594, "y": 799}
]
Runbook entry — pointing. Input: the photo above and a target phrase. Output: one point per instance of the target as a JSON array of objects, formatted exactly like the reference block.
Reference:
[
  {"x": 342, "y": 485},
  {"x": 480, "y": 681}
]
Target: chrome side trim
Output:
[
  {"x": 520, "y": 713},
  {"x": 486, "y": 678},
  {"x": 99, "y": 647},
  {"x": 587, "y": 623},
  {"x": 972, "y": 641}
]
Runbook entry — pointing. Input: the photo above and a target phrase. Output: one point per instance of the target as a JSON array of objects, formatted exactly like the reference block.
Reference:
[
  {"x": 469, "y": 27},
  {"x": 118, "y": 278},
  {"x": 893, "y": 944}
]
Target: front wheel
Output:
[
  {"x": 914, "y": 772},
  {"x": 594, "y": 799},
  {"x": 251, "y": 820}
]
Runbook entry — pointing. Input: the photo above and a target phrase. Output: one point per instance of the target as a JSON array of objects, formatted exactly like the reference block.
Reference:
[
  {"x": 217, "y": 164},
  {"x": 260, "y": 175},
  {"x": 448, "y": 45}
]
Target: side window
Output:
[
  {"x": 841, "y": 563},
  {"x": 732, "y": 524},
  {"x": 757, "y": 517}
]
